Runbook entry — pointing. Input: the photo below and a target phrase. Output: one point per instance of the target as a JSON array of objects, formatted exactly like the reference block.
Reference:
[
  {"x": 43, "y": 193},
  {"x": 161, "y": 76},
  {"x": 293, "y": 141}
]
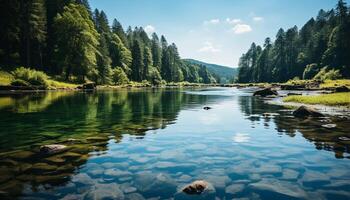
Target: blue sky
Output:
[{"x": 214, "y": 31}]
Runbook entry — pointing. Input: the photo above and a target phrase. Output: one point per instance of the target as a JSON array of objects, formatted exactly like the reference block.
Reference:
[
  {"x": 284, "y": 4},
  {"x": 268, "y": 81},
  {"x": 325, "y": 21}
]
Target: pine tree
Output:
[
  {"x": 76, "y": 52},
  {"x": 156, "y": 51},
  {"x": 137, "y": 62},
  {"x": 103, "y": 62},
  {"x": 117, "y": 28}
]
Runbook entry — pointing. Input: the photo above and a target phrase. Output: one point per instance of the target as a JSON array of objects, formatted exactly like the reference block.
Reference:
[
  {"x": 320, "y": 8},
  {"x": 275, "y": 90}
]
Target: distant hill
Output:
[{"x": 225, "y": 73}]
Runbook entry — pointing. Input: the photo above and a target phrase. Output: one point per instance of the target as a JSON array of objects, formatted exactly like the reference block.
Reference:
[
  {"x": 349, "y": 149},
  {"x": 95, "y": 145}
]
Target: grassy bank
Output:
[
  {"x": 335, "y": 99},
  {"x": 7, "y": 78}
]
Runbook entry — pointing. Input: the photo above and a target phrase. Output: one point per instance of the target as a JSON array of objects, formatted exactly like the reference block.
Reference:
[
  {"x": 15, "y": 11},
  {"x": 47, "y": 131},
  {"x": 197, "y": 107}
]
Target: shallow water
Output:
[{"x": 148, "y": 143}]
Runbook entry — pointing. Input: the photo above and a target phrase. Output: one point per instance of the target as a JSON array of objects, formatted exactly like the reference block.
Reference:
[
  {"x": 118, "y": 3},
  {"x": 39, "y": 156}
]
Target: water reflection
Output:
[
  {"x": 138, "y": 144},
  {"x": 83, "y": 121},
  {"x": 311, "y": 129}
]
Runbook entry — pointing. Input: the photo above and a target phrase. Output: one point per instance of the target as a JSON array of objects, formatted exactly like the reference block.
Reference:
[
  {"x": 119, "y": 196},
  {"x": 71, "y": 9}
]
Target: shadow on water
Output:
[
  {"x": 85, "y": 122},
  {"x": 310, "y": 128}
]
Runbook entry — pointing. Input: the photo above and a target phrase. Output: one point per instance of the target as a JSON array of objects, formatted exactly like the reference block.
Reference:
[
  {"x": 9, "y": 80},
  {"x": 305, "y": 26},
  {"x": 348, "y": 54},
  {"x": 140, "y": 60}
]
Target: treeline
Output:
[
  {"x": 64, "y": 38},
  {"x": 320, "y": 49}
]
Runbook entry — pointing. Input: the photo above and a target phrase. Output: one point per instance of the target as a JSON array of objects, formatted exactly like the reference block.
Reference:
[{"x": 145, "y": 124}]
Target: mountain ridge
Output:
[{"x": 225, "y": 73}]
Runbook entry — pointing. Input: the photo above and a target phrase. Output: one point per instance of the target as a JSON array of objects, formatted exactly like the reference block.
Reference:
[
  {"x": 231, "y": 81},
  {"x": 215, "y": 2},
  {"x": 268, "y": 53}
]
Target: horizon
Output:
[{"x": 238, "y": 24}]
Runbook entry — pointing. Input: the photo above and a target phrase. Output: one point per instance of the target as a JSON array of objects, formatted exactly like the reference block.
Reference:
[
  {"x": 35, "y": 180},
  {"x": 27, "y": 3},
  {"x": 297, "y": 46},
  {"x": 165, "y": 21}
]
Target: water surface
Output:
[{"x": 148, "y": 143}]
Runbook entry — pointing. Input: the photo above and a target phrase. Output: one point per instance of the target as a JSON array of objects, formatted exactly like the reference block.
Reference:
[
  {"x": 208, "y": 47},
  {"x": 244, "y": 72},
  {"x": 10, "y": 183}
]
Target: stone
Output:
[
  {"x": 105, "y": 191},
  {"x": 342, "y": 89},
  {"x": 52, "y": 148},
  {"x": 134, "y": 196},
  {"x": 199, "y": 189},
  {"x": 234, "y": 188},
  {"x": 281, "y": 187},
  {"x": 207, "y": 108},
  {"x": 196, "y": 187},
  {"x": 89, "y": 86},
  {"x": 150, "y": 183},
  {"x": 304, "y": 111},
  {"x": 265, "y": 92}
]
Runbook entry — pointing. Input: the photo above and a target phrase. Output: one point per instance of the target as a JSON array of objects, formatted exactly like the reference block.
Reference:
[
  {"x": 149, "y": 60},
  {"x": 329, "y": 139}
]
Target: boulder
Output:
[
  {"x": 304, "y": 111},
  {"x": 196, "y": 187},
  {"x": 52, "y": 148},
  {"x": 265, "y": 92},
  {"x": 89, "y": 86},
  {"x": 207, "y": 108},
  {"x": 342, "y": 89}
]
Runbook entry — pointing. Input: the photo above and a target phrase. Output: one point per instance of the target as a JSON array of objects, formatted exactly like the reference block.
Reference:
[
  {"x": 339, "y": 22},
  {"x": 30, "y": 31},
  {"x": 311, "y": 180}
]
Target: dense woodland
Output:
[
  {"x": 66, "y": 39},
  {"x": 319, "y": 50}
]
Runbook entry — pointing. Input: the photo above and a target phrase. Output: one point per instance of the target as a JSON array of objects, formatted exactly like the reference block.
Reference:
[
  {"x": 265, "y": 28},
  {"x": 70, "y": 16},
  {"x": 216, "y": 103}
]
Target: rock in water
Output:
[
  {"x": 89, "y": 86},
  {"x": 304, "y": 111},
  {"x": 207, "y": 108},
  {"x": 52, "y": 148},
  {"x": 196, "y": 187},
  {"x": 342, "y": 89},
  {"x": 265, "y": 92}
]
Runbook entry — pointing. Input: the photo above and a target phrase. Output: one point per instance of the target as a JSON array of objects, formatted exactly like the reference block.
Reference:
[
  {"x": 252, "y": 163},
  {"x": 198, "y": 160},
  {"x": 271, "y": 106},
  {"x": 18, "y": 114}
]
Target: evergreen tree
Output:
[
  {"x": 117, "y": 29},
  {"x": 156, "y": 51},
  {"x": 103, "y": 62},
  {"x": 77, "y": 41},
  {"x": 137, "y": 62}
]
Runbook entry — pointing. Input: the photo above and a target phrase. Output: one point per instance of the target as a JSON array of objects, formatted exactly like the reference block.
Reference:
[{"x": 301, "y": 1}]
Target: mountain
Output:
[{"x": 224, "y": 73}]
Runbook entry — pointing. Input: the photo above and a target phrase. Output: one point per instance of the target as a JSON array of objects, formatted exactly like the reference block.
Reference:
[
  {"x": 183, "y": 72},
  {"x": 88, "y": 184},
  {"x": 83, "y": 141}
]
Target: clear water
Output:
[{"x": 148, "y": 143}]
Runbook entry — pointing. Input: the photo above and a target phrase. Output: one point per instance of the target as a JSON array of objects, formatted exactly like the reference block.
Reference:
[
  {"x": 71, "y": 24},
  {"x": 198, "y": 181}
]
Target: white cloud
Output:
[
  {"x": 209, "y": 47},
  {"x": 241, "y": 28},
  {"x": 212, "y": 22},
  {"x": 149, "y": 29},
  {"x": 258, "y": 19},
  {"x": 233, "y": 21}
]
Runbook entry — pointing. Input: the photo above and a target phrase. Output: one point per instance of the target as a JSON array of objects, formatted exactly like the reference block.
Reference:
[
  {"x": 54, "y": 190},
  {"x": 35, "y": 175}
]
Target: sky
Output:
[{"x": 214, "y": 31}]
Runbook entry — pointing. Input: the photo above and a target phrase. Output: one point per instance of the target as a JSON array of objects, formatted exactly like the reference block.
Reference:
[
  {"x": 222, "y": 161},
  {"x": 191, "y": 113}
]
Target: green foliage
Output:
[
  {"x": 30, "y": 76},
  {"x": 64, "y": 38},
  {"x": 323, "y": 74},
  {"x": 119, "y": 77},
  {"x": 19, "y": 82},
  {"x": 310, "y": 71},
  {"x": 77, "y": 41},
  {"x": 322, "y": 41}
]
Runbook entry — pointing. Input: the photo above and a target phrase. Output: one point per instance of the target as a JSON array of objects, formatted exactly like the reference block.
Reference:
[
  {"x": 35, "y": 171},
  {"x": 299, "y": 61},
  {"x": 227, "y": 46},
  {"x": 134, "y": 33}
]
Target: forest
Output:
[
  {"x": 319, "y": 50},
  {"x": 65, "y": 39}
]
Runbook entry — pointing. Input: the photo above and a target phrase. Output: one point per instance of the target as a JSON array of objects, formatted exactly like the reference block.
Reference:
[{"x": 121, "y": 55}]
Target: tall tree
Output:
[
  {"x": 137, "y": 62},
  {"x": 156, "y": 51},
  {"x": 77, "y": 41}
]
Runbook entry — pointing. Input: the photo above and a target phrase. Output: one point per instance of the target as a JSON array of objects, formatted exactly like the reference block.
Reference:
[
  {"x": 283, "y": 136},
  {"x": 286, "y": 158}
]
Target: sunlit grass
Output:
[
  {"x": 335, "y": 99},
  {"x": 58, "y": 85},
  {"x": 335, "y": 83}
]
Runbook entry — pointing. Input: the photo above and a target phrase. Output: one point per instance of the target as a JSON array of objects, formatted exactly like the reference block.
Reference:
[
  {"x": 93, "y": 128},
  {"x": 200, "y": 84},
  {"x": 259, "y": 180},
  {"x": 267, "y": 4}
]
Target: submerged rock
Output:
[
  {"x": 196, "y": 187},
  {"x": 52, "y": 148},
  {"x": 207, "y": 108},
  {"x": 304, "y": 111},
  {"x": 265, "y": 92}
]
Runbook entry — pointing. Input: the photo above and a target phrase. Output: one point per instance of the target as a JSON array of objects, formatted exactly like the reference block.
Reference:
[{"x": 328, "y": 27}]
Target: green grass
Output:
[
  {"x": 335, "y": 83},
  {"x": 335, "y": 99},
  {"x": 7, "y": 77}
]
